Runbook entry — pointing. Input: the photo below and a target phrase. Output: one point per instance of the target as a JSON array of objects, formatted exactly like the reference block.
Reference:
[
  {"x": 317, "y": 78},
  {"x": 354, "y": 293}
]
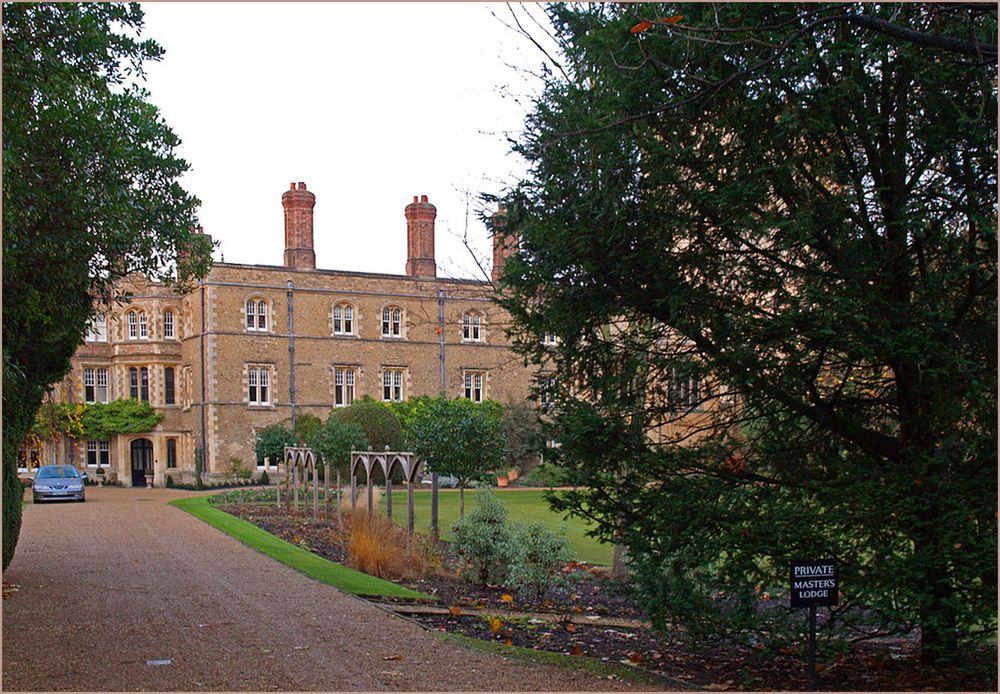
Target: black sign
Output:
[{"x": 814, "y": 583}]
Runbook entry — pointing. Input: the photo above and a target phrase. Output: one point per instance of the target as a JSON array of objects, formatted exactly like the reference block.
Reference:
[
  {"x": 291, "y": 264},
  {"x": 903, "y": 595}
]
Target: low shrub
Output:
[
  {"x": 170, "y": 482},
  {"x": 264, "y": 479},
  {"x": 541, "y": 554},
  {"x": 546, "y": 475},
  {"x": 483, "y": 541}
]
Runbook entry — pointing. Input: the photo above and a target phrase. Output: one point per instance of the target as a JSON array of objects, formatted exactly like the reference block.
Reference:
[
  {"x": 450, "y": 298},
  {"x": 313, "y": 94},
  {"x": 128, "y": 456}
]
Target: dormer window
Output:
[
  {"x": 343, "y": 319},
  {"x": 472, "y": 327},
  {"x": 138, "y": 325},
  {"x": 256, "y": 315},
  {"x": 392, "y": 321}
]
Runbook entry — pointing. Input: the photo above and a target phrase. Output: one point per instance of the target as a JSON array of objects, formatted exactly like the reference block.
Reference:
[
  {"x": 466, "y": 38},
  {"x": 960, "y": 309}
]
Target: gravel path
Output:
[{"x": 107, "y": 586}]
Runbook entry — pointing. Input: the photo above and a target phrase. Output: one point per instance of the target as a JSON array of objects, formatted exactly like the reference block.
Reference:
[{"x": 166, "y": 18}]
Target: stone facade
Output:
[{"x": 273, "y": 340}]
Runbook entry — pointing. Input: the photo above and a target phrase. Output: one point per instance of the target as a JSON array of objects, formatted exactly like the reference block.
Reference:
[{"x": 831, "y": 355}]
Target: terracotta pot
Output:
[
  {"x": 512, "y": 475},
  {"x": 501, "y": 481}
]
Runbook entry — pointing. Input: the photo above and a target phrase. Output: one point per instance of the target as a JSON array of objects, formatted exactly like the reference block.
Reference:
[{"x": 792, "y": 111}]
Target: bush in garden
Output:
[
  {"x": 263, "y": 479},
  {"x": 378, "y": 547},
  {"x": 547, "y": 475},
  {"x": 541, "y": 554},
  {"x": 484, "y": 541}
]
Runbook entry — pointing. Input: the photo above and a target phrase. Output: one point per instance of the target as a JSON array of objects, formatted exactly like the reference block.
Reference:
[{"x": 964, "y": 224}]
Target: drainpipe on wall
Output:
[
  {"x": 291, "y": 352},
  {"x": 204, "y": 448},
  {"x": 434, "y": 476}
]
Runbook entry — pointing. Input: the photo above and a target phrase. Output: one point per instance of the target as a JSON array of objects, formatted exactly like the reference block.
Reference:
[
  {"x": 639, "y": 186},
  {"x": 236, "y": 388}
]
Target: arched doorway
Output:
[{"x": 142, "y": 461}]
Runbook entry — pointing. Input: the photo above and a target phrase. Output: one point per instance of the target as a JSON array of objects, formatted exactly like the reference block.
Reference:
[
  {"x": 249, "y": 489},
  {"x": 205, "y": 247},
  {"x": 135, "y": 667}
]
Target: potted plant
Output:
[
  {"x": 149, "y": 479},
  {"x": 513, "y": 474},
  {"x": 501, "y": 480}
]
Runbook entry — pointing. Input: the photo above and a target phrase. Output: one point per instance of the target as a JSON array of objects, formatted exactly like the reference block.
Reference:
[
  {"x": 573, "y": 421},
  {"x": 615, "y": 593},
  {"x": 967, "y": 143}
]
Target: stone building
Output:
[{"x": 255, "y": 345}]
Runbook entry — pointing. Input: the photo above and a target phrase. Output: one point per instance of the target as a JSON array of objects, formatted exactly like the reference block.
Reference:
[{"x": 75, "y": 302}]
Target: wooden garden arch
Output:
[
  {"x": 303, "y": 456},
  {"x": 387, "y": 462}
]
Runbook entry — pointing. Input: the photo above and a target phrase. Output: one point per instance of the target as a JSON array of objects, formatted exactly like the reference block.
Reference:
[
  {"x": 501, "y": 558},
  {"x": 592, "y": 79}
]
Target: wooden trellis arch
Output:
[
  {"x": 297, "y": 457},
  {"x": 387, "y": 462}
]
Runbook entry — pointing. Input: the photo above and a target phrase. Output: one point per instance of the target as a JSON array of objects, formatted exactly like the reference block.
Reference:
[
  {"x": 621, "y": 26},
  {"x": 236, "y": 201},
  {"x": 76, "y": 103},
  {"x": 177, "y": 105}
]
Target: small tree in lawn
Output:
[
  {"x": 306, "y": 427},
  {"x": 377, "y": 421},
  {"x": 333, "y": 443},
  {"x": 459, "y": 438},
  {"x": 271, "y": 442}
]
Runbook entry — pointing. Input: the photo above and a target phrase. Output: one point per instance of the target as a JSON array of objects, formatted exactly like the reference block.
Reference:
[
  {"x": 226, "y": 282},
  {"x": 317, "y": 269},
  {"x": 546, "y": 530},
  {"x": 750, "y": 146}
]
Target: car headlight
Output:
[{"x": 42, "y": 487}]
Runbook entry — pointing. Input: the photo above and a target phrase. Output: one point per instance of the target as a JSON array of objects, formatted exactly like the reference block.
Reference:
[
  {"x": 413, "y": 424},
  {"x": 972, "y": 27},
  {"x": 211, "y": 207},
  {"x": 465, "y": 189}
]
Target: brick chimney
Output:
[
  {"x": 504, "y": 246},
  {"x": 420, "y": 217},
  {"x": 298, "y": 203}
]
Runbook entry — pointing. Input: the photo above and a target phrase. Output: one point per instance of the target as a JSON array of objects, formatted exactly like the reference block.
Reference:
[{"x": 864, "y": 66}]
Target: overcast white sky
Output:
[{"x": 368, "y": 104}]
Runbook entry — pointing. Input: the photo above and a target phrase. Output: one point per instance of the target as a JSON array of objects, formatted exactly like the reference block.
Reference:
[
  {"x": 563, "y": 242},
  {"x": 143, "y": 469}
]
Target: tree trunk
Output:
[{"x": 461, "y": 501}]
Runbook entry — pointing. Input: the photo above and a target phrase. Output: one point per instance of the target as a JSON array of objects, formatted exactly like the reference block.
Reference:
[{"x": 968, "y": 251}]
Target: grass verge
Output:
[
  {"x": 312, "y": 565},
  {"x": 594, "y": 666}
]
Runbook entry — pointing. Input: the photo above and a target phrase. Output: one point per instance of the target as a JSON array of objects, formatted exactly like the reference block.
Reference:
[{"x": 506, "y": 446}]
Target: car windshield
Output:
[{"x": 57, "y": 471}]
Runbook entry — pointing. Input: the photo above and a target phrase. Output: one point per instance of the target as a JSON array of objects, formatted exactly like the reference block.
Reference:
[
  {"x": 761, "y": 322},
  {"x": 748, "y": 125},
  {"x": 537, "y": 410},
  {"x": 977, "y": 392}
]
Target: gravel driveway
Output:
[{"x": 108, "y": 586}]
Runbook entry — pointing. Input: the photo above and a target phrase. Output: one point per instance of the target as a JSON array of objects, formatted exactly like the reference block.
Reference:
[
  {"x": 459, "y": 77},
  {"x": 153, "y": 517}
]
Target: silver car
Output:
[{"x": 57, "y": 482}]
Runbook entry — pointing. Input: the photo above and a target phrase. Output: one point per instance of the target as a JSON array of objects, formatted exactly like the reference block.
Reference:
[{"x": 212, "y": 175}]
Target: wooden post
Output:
[
  {"x": 326, "y": 494},
  {"x": 340, "y": 517},
  {"x": 354, "y": 489},
  {"x": 295, "y": 476},
  {"x": 388, "y": 496},
  {"x": 370, "y": 500},
  {"x": 315, "y": 492},
  {"x": 409, "y": 506}
]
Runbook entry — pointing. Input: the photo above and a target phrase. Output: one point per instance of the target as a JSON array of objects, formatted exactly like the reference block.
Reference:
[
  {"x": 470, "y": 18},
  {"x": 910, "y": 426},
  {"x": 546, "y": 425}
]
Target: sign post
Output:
[{"x": 814, "y": 584}]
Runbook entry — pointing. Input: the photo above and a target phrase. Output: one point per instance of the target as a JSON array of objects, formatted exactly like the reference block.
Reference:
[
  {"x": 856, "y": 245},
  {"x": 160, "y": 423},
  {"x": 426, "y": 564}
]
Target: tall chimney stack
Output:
[
  {"x": 298, "y": 203},
  {"x": 504, "y": 246},
  {"x": 420, "y": 216}
]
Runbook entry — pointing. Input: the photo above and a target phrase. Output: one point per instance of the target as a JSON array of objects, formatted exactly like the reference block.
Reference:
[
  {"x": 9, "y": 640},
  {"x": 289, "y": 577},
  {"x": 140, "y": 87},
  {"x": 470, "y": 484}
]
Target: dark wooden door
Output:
[{"x": 142, "y": 461}]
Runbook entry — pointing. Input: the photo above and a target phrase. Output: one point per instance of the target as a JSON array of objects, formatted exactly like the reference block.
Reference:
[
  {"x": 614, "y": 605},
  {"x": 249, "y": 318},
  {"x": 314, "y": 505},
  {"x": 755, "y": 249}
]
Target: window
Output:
[
  {"x": 171, "y": 453},
  {"x": 168, "y": 325},
  {"x": 392, "y": 322},
  {"x": 343, "y": 319},
  {"x": 138, "y": 327},
  {"x": 168, "y": 385},
  {"x": 343, "y": 386},
  {"x": 550, "y": 339},
  {"x": 392, "y": 385},
  {"x": 95, "y": 385},
  {"x": 547, "y": 393},
  {"x": 98, "y": 453},
  {"x": 257, "y": 315},
  {"x": 474, "y": 385},
  {"x": 98, "y": 330},
  {"x": 258, "y": 385},
  {"x": 683, "y": 391},
  {"x": 472, "y": 324},
  {"x": 138, "y": 379}
]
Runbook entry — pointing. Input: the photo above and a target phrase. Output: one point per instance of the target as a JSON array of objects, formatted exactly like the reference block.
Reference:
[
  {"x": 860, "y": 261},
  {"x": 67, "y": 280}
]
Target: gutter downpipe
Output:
[
  {"x": 204, "y": 446},
  {"x": 291, "y": 351},
  {"x": 434, "y": 475}
]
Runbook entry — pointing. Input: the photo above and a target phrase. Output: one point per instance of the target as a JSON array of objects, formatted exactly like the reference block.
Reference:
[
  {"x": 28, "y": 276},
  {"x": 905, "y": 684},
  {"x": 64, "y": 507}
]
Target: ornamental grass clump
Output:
[
  {"x": 378, "y": 547},
  {"x": 484, "y": 542}
]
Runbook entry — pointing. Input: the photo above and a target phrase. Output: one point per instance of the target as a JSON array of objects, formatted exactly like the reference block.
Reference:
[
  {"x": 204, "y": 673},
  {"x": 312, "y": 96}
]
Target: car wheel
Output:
[{"x": 34, "y": 499}]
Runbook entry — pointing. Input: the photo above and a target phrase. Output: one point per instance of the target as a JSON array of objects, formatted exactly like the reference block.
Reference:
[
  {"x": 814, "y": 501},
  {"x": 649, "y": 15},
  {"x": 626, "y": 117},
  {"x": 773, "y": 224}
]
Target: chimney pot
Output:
[
  {"x": 423, "y": 198},
  {"x": 291, "y": 186},
  {"x": 415, "y": 199},
  {"x": 420, "y": 217},
  {"x": 302, "y": 186}
]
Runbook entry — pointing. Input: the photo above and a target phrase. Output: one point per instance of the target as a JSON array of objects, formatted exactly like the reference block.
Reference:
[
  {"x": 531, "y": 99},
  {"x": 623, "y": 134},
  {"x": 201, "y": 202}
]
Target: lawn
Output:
[{"x": 523, "y": 504}]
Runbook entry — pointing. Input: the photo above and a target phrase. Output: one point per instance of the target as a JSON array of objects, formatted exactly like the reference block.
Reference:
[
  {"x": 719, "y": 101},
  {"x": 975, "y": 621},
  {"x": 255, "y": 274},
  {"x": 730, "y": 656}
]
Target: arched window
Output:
[
  {"x": 392, "y": 321},
  {"x": 343, "y": 319},
  {"x": 472, "y": 327},
  {"x": 256, "y": 311},
  {"x": 169, "y": 330},
  {"x": 138, "y": 326}
]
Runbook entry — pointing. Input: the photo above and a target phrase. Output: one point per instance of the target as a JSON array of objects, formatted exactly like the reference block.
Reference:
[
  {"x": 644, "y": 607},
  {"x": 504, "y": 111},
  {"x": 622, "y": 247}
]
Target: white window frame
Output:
[
  {"x": 393, "y": 385},
  {"x": 550, "y": 339},
  {"x": 345, "y": 380},
  {"x": 101, "y": 451},
  {"x": 547, "y": 392},
  {"x": 392, "y": 322},
  {"x": 474, "y": 382},
  {"x": 95, "y": 378},
  {"x": 259, "y": 385},
  {"x": 256, "y": 317},
  {"x": 683, "y": 391},
  {"x": 143, "y": 326},
  {"x": 472, "y": 327},
  {"x": 169, "y": 325},
  {"x": 343, "y": 319},
  {"x": 98, "y": 329}
]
